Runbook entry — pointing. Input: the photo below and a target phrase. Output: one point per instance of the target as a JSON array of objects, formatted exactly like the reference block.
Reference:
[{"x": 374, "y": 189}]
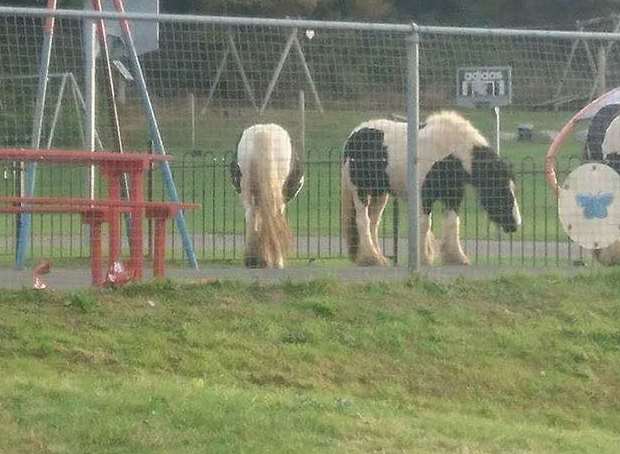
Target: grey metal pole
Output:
[
  {"x": 413, "y": 119},
  {"x": 278, "y": 70},
  {"x": 61, "y": 94},
  {"x": 216, "y": 80},
  {"x": 244, "y": 78}
]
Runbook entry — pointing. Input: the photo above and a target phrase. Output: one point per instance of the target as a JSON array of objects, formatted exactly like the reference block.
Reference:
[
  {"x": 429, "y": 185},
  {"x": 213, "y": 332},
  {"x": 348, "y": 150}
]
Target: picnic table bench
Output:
[{"x": 96, "y": 212}]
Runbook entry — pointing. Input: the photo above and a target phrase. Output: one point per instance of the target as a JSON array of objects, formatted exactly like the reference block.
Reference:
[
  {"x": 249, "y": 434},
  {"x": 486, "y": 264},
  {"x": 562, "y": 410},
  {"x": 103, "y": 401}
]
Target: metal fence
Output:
[
  {"x": 212, "y": 77},
  {"x": 218, "y": 227}
]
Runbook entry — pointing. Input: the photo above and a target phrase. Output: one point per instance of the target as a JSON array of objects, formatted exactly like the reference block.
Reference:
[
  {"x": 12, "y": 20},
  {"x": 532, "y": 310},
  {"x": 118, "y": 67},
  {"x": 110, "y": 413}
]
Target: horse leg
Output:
[
  {"x": 367, "y": 254},
  {"x": 253, "y": 257},
  {"x": 375, "y": 211},
  {"x": 279, "y": 259},
  {"x": 451, "y": 249},
  {"x": 428, "y": 239}
]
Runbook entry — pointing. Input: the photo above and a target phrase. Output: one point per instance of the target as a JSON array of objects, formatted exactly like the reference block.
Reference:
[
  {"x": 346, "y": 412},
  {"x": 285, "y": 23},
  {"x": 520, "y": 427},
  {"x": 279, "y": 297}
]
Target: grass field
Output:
[{"x": 515, "y": 365}]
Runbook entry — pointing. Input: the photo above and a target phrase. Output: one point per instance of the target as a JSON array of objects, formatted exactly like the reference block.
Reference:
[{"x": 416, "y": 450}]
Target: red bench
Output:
[{"x": 95, "y": 213}]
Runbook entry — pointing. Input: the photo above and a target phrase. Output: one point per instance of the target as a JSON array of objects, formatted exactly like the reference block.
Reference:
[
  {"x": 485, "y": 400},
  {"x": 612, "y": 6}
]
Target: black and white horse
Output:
[
  {"x": 603, "y": 145},
  {"x": 267, "y": 174},
  {"x": 451, "y": 153}
]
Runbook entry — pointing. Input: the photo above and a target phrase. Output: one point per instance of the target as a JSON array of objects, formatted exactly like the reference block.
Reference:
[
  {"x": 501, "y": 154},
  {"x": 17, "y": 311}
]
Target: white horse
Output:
[
  {"x": 451, "y": 153},
  {"x": 603, "y": 145},
  {"x": 267, "y": 175}
]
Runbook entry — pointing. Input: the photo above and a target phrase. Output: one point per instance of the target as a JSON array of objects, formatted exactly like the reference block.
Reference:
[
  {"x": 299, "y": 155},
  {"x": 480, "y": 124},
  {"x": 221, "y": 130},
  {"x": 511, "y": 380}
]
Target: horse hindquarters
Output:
[{"x": 266, "y": 160}]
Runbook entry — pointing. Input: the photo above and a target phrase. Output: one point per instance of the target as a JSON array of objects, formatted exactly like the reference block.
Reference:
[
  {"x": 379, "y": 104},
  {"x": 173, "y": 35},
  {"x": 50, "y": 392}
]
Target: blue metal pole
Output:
[
  {"x": 155, "y": 133},
  {"x": 24, "y": 223}
]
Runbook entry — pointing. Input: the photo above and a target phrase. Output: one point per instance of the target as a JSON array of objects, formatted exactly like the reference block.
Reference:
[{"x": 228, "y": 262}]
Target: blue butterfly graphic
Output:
[{"x": 595, "y": 205}]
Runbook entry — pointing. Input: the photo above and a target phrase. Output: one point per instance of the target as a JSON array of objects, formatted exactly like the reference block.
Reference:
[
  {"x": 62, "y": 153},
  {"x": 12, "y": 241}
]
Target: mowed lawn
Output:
[{"x": 515, "y": 365}]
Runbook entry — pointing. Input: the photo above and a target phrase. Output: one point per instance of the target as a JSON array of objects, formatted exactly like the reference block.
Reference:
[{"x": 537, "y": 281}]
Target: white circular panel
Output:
[{"x": 589, "y": 206}]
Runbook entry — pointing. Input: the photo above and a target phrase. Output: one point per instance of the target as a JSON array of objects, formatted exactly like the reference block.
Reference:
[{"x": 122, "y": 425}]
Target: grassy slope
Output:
[{"x": 514, "y": 365}]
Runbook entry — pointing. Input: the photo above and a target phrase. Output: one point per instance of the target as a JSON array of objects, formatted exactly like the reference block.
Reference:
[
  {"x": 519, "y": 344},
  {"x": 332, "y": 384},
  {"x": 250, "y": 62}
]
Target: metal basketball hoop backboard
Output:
[
  {"x": 145, "y": 33},
  {"x": 589, "y": 206}
]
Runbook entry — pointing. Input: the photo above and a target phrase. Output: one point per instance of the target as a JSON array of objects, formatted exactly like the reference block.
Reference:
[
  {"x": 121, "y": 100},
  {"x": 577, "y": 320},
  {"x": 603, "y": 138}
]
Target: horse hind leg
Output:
[
  {"x": 375, "y": 211},
  {"x": 278, "y": 261},
  {"x": 428, "y": 240},
  {"x": 253, "y": 254},
  {"x": 367, "y": 254}
]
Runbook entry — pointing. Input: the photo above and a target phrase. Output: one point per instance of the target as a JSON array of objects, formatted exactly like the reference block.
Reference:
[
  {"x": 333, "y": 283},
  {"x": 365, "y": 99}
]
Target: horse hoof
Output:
[
  {"x": 464, "y": 261},
  {"x": 255, "y": 262},
  {"x": 371, "y": 261}
]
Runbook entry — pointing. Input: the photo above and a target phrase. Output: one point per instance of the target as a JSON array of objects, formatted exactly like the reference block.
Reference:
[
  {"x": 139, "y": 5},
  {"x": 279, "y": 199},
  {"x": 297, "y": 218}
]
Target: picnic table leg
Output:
[
  {"x": 137, "y": 240},
  {"x": 114, "y": 194},
  {"x": 159, "y": 253},
  {"x": 95, "y": 252}
]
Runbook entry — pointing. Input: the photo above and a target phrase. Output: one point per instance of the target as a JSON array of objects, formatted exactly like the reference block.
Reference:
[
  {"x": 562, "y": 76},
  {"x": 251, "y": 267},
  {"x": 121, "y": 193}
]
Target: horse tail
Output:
[
  {"x": 266, "y": 191},
  {"x": 349, "y": 224}
]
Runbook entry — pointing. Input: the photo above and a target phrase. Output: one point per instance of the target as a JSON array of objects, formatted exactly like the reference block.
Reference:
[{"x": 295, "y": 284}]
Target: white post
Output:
[
  {"x": 602, "y": 71},
  {"x": 497, "y": 130},
  {"x": 192, "y": 109},
  {"x": 89, "y": 84},
  {"x": 302, "y": 125}
]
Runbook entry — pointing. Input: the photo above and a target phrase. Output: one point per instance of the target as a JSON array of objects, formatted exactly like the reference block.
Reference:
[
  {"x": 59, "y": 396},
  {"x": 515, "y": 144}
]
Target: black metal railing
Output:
[{"x": 217, "y": 228}]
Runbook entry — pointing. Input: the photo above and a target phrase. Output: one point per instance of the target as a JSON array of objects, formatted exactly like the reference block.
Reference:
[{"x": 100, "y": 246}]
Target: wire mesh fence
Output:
[{"x": 211, "y": 79}]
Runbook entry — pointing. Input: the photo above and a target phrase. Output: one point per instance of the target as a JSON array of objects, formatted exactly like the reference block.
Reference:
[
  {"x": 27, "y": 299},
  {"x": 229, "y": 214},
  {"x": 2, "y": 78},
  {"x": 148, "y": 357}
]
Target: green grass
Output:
[{"x": 515, "y": 365}]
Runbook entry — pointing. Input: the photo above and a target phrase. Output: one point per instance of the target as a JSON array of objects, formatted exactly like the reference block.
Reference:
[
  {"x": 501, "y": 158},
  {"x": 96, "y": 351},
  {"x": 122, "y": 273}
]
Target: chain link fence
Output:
[{"x": 213, "y": 77}]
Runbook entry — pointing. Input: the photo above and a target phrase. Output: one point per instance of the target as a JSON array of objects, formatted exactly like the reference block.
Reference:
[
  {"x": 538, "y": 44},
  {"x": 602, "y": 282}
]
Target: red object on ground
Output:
[
  {"x": 38, "y": 271},
  {"x": 118, "y": 275}
]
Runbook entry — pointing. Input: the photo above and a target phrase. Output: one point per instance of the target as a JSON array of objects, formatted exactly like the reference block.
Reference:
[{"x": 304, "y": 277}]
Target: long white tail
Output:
[{"x": 273, "y": 235}]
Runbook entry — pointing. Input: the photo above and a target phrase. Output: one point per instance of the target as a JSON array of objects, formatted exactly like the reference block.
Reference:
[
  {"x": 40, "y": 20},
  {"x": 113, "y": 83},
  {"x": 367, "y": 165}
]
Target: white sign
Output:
[
  {"x": 145, "y": 33},
  {"x": 589, "y": 206},
  {"x": 484, "y": 85}
]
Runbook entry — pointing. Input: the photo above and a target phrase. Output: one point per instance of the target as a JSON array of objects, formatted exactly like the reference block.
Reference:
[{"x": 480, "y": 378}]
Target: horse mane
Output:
[{"x": 455, "y": 129}]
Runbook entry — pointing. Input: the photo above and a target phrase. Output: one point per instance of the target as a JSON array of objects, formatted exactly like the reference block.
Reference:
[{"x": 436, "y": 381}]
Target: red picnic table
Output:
[{"x": 113, "y": 166}]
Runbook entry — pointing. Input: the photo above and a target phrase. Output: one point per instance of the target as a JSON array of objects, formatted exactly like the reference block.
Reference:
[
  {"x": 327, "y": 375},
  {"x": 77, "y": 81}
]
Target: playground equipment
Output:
[
  {"x": 96, "y": 28},
  {"x": 291, "y": 42},
  {"x": 597, "y": 59}
]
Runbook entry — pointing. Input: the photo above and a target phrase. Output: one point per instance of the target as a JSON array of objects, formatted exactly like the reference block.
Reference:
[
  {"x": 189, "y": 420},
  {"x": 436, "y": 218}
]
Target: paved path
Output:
[{"x": 67, "y": 278}]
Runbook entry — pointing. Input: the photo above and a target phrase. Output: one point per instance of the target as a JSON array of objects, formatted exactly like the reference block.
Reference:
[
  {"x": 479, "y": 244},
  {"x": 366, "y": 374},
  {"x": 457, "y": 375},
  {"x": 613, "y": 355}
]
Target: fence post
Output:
[{"x": 413, "y": 195}]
